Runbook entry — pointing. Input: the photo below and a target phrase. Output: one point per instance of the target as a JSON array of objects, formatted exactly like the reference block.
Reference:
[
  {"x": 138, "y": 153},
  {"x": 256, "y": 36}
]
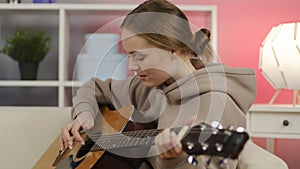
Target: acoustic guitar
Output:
[{"x": 203, "y": 139}]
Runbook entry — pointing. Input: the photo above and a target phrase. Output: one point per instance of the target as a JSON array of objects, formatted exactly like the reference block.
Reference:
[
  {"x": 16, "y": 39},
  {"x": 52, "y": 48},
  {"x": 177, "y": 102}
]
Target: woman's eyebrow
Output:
[{"x": 131, "y": 52}]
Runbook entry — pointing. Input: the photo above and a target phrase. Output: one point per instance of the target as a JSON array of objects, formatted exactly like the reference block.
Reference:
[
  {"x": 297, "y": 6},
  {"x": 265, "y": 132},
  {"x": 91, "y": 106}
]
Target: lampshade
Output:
[{"x": 280, "y": 56}]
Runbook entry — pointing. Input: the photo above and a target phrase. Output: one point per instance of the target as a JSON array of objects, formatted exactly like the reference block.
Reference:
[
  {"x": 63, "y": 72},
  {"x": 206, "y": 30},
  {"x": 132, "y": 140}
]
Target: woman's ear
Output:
[
  {"x": 181, "y": 55},
  {"x": 176, "y": 53}
]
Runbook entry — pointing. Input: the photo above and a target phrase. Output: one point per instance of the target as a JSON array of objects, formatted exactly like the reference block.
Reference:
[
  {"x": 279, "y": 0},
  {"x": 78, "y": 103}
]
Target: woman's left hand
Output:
[{"x": 168, "y": 144}]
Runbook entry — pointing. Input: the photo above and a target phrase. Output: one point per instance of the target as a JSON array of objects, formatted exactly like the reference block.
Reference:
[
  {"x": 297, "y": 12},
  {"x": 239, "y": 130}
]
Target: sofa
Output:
[{"x": 27, "y": 132}]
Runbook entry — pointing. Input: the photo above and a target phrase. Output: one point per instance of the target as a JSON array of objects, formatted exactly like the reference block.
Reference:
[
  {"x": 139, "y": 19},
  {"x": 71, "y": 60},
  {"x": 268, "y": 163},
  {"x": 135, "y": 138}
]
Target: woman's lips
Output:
[{"x": 142, "y": 77}]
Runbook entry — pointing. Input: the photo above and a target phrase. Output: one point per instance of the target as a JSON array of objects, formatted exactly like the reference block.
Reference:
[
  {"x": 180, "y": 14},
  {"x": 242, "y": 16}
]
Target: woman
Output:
[{"x": 175, "y": 84}]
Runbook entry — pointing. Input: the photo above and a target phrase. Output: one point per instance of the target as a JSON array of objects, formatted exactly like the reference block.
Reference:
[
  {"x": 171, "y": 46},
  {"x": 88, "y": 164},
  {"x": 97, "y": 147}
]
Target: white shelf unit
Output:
[{"x": 65, "y": 12}]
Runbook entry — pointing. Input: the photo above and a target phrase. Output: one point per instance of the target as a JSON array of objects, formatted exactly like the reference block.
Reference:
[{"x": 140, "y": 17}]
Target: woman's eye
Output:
[{"x": 139, "y": 57}]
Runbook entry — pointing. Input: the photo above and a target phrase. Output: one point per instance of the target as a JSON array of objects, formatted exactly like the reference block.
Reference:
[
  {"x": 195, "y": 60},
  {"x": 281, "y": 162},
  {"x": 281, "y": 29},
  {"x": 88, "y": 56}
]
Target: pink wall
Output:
[{"x": 242, "y": 26}]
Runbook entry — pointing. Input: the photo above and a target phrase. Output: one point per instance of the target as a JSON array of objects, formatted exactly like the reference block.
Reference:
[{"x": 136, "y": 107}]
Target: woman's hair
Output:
[{"x": 166, "y": 26}]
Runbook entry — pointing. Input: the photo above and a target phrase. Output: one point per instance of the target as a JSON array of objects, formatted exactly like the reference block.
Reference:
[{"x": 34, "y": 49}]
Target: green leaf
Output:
[{"x": 26, "y": 46}]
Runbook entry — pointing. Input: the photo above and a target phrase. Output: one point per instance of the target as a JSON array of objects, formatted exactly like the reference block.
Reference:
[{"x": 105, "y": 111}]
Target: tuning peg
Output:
[
  {"x": 217, "y": 125},
  {"x": 191, "y": 159},
  {"x": 227, "y": 132},
  {"x": 240, "y": 129},
  {"x": 230, "y": 127},
  {"x": 202, "y": 127},
  {"x": 204, "y": 146},
  {"x": 219, "y": 147},
  {"x": 223, "y": 163},
  {"x": 190, "y": 145}
]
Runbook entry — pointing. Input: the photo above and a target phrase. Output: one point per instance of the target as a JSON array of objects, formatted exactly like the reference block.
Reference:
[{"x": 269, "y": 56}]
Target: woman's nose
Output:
[{"x": 132, "y": 65}]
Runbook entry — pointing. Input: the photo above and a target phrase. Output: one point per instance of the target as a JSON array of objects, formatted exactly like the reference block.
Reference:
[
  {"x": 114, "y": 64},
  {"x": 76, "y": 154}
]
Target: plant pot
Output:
[{"x": 28, "y": 71}]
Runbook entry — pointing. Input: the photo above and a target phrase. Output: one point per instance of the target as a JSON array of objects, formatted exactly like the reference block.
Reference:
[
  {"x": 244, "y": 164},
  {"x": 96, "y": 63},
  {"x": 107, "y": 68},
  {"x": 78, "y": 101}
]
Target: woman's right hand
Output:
[{"x": 83, "y": 121}]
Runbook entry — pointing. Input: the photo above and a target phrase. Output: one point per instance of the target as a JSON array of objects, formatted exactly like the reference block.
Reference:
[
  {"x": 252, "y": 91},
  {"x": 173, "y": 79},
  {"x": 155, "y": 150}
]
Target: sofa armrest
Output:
[
  {"x": 255, "y": 157},
  {"x": 26, "y": 132}
]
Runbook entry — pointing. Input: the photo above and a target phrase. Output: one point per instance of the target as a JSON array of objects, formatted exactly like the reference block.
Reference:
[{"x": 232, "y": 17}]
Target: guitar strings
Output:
[
  {"x": 152, "y": 132},
  {"x": 127, "y": 136},
  {"x": 141, "y": 134}
]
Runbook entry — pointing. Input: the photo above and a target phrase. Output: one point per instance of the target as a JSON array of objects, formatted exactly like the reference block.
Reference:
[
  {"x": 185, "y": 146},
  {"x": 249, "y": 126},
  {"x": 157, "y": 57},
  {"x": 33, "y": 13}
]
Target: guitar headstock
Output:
[{"x": 205, "y": 139}]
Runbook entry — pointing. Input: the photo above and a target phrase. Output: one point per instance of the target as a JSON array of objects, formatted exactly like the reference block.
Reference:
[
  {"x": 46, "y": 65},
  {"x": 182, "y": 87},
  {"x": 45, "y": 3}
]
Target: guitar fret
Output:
[
  {"x": 114, "y": 142},
  {"x": 147, "y": 139},
  {"x": 106, "y": 144},
  {"x": 123, "y": 141},
  {"x": 136, "y": 139},
  {"x": 148, "y": 135},
  {"x": 118, "y": 141},
  {"x": 150, "y": 141},
  {"x": 111, "y": 144},
  {"x": 128, "y": 140},
  {"x": 141, "y": 141}
]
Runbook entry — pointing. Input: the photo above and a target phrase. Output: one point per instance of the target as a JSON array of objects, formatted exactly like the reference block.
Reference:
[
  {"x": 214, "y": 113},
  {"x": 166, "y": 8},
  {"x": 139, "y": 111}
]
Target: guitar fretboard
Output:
[{"x": 125, "y": 140}]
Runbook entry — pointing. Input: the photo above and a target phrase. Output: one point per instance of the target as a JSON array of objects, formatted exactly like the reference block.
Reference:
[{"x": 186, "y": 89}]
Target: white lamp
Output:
[{"x": 280, "y": 59}]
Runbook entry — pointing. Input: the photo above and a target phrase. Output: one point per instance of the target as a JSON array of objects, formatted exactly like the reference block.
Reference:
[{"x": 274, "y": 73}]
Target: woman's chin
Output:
[{"x": 149, "y": 84}]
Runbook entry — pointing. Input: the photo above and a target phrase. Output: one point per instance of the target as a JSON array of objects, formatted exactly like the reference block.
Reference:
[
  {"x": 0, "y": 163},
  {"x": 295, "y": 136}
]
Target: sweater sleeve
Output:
[
  {"x": 112, "y": 93},
  {"x": 91, "y": 94}
]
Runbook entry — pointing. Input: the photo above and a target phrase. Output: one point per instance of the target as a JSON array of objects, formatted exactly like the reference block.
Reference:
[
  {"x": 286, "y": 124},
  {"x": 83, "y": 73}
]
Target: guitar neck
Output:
[
  {"x": 128, "y": 139},
  {"x": 198, "y": 140}
]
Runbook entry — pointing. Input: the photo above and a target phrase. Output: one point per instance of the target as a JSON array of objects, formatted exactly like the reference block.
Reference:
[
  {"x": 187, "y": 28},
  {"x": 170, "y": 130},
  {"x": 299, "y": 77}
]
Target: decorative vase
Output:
[
  {"x": 28, "y": 70},
  {"x": 43, "y": 1}
]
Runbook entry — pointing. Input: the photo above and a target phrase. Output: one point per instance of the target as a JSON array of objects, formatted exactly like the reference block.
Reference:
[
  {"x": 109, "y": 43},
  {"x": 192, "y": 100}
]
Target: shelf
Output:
[
  {"x": 88, "y": 7},
  {"x": 108, "y": 7},
  {"x": 67, "y": 24},
  {"x": 29, "y": 96},
  {"x": 24, "y": 83},
  {"x": 73, "y": 83},
  {"x": 39, "y": 83}
]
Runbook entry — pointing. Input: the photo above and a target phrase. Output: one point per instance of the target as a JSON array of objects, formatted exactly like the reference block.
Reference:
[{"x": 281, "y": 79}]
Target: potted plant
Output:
[{"x": 28, "y": 49}]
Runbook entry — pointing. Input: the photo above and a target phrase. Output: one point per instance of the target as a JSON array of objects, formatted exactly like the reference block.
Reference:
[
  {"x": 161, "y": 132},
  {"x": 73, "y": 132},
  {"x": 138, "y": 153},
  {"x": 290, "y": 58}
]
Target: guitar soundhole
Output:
[{"x": 85, "y": 148}]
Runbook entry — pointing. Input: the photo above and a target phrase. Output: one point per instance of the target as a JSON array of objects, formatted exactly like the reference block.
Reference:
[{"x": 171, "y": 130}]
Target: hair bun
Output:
[
  {"x": 206, "y": 32},
  {"x": 201, "y": 46},
  {"x": 201, "y": 38}
]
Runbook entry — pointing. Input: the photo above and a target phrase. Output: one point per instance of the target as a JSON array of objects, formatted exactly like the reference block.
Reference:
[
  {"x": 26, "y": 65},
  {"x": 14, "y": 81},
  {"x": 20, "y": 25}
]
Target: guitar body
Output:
[{"x": 113, "y": 122}]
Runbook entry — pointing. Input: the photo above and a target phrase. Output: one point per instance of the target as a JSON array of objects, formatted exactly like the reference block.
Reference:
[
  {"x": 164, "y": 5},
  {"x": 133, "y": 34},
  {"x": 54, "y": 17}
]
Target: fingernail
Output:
[
  {"x": 82, "y": 143},
  {"x": 70, "y": 144}
]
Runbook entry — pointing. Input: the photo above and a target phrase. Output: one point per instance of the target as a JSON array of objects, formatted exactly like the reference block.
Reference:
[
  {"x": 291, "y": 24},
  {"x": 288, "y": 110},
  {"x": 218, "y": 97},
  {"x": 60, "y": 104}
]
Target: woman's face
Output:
[
  {"x": 153, "y": 65},
  {"x": 148, "y": 61}
]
